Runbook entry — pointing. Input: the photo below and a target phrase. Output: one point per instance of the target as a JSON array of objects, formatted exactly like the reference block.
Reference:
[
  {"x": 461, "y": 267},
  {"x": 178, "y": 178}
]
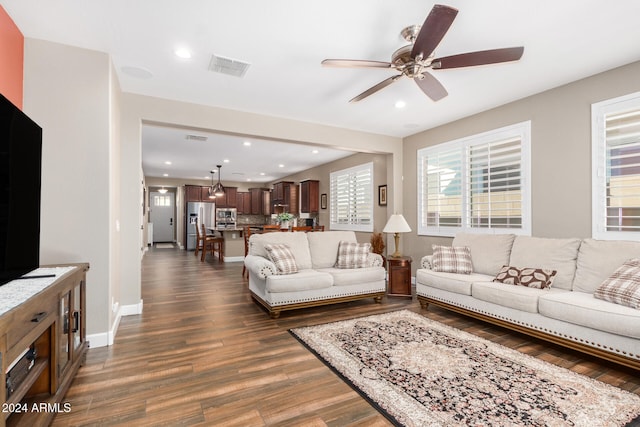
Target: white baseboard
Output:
[
  {"x": 233, "y": 259},
  {"x": 104, "y": 339}
]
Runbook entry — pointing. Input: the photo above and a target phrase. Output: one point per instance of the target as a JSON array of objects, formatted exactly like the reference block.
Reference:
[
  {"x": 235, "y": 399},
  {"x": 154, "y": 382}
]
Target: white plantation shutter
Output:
[
  {"x": 477, "y": 183},
  {"x": 494, "y": 184},
  {"x": 440, "y": 176},
  {"x": 351, "y": 206},
  {"x": 616, "y": 168}
]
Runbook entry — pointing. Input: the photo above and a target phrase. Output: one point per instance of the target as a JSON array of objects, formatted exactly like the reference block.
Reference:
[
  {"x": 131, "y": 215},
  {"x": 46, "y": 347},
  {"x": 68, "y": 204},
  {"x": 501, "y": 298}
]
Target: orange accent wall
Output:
[{"x": 11, "y": 59}]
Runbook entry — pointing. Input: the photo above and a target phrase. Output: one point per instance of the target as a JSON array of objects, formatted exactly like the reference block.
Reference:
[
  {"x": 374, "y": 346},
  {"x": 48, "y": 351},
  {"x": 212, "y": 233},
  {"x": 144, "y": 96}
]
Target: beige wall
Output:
[
  {"x": 68, "y": 93},
  {"x": 560, "y": 153}
]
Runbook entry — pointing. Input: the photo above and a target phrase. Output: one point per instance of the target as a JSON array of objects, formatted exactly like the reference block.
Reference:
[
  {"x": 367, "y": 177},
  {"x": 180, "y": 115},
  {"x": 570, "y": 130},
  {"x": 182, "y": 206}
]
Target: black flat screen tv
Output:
[{"x": 20, "y": 172}]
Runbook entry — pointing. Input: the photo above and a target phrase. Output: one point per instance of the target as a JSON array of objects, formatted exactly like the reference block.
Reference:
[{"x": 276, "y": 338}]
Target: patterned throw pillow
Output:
[
  {"x": 623, "y": 286},
  {"x": 451, "y": 259},
  {"x": 282, "y": 257},
  {"x": 352, "y": 255},
  {"x": 539, "y": 278}
]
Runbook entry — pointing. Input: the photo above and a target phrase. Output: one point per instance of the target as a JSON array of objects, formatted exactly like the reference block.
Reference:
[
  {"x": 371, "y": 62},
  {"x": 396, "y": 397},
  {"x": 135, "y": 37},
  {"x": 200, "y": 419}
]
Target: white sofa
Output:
[
  {"x": 566, "y": 314},
  {"x": 317, "y": 281}
]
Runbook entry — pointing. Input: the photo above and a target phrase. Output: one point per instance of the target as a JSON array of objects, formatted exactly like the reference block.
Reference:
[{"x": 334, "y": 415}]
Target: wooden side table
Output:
[{"x": 399, "y": 276}]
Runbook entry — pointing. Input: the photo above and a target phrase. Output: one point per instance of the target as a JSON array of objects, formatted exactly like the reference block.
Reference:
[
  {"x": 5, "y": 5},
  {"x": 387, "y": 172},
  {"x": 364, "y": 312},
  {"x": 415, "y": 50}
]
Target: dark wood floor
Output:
[{"x": 203, "y": 353}]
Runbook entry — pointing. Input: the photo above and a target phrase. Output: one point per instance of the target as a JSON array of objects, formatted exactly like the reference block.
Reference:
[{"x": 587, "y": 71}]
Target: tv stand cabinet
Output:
[{"x": 47, "y": 315}]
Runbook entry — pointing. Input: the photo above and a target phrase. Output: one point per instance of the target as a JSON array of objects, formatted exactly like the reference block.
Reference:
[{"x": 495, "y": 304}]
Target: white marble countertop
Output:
[{"x": 17, "y": 292}]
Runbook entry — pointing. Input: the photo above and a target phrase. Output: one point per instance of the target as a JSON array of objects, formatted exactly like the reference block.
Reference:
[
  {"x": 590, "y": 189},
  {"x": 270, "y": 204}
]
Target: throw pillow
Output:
[
  {"x": 540, "y": 278},
  {"x": 282, "y": 257},
  {"x": 352, "y": 255},
  {"x": 508, "y": 275},
  {"x": 623, "y": 286},
  {"x": 452, "y": 259}
]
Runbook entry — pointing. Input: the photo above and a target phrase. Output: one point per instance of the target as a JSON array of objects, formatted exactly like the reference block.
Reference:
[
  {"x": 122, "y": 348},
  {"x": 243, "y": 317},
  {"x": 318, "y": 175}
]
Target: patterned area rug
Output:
[{"x": 418, "y": 372}]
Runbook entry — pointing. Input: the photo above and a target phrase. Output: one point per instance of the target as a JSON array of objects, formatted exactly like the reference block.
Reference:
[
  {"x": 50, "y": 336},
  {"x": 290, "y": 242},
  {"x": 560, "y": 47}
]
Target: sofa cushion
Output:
[
  {"x": 354, "y": 276},
  {"x": 458, "y": 283},
  {"x": 551, "y": 254},
  {"x": 516, "y": 297},
  {"x": 282, "y": 257},
  {"x": 297, "y": 242},
  {"x": 489, "y": 252},
  {"x": 454, "y": 259},
  {"x": 581, "y": 308},
  {"x": 598, "y": 259},
  {"x": 531, "y": 277},
  {"x": 623, "y": 286},
  {"x": 323, "y": 247},
  {"x": 303, "y": 280},
  {"x": 352, "y": 254}
]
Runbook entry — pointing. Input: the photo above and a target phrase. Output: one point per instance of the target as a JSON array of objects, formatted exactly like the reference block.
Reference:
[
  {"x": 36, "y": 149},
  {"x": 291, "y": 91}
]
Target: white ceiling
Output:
[{"x": 285, "y": 41}]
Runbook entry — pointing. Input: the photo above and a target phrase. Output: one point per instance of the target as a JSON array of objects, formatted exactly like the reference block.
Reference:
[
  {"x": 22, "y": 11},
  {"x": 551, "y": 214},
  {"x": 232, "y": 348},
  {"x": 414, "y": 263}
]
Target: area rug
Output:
[{"x": 419, "y": 372}]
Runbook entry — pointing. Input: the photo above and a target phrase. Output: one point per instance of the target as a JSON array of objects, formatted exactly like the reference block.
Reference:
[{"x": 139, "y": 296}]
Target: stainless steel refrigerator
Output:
[{"x": 205, "y": 213}]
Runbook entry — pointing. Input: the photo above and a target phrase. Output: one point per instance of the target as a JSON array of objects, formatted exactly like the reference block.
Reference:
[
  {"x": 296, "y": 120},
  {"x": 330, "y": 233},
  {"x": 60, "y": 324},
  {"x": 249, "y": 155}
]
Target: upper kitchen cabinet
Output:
[
  {"x": 309, "y": 196},
  {"x": 243, "y": 202},
  {"x": 229, "y": 200},
  {"x": 260, "y": 201},
  {"x": 285, "y": 197}
]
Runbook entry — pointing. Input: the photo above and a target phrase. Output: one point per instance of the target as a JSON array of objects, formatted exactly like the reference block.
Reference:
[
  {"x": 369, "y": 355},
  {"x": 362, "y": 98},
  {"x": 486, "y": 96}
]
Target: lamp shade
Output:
[{"x": 396, "y": 224}]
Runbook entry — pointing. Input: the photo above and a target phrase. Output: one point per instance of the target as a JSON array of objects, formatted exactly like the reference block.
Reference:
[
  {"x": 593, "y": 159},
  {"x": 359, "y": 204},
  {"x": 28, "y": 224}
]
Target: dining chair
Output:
[
  {"x": 212, "y": 242},
  {"x": 318, "y": 228},
  {"x": 247, "y": 233},
  {"x": 302, "y": 228},
  {"x": 270, "y": 227}
]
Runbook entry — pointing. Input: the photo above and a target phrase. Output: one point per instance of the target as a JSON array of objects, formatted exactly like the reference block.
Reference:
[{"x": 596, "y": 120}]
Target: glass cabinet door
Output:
[{"x": 64, "y": 351}]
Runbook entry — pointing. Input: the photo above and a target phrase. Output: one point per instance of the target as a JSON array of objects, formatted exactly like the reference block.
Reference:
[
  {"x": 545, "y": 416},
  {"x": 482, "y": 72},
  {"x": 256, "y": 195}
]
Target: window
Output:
[
  {"x": 351, "y": 195},
  {"x": 478, "y": 183},
  {"x": 616, "y": 168},
  {"x": 161, "y": 201}
]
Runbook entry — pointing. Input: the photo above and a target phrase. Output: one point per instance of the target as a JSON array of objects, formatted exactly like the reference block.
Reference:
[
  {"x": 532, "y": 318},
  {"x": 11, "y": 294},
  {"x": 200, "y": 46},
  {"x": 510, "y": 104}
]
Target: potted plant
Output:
[{"x": 284, "y": 218}]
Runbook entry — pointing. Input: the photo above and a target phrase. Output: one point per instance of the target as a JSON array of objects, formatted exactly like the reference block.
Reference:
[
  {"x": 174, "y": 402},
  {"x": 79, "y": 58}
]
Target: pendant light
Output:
[
  {"x": 162, "y": 190},
  {"x": 218, "y": 190},
  {"x": 211, "y": 190}
]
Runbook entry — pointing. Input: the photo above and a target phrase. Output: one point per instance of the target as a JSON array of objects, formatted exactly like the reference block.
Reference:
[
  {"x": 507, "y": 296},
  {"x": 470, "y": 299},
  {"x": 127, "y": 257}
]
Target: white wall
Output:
[{"x": 67, "y": 91}]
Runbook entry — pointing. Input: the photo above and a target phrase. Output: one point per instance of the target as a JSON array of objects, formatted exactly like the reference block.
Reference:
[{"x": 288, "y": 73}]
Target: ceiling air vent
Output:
[
  {"x": 232, "y": 67},
  {"x": 196, "y": 138}
]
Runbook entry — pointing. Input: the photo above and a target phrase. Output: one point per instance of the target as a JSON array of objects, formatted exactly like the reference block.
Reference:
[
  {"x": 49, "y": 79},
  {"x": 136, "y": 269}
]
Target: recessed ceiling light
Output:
[
  {"x": 262, "y": 173},
  {"x": 315, "y": 151},
  {"x": 248, "y": 179},
  {"x": 167, "y": 162},
  {"x": 165, "y": 174},
  {"x": 225, "y": 161},
  {"x": 246, "y": 143},
  {"x": 401, "y": 104},
  {"x": 183, "y": 53},
  {"x": 281, "y": 165}
]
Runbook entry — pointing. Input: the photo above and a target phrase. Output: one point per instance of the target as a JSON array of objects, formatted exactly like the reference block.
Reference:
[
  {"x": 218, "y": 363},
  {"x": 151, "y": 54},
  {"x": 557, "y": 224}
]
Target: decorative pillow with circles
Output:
[{"x": 540, "y": 278}]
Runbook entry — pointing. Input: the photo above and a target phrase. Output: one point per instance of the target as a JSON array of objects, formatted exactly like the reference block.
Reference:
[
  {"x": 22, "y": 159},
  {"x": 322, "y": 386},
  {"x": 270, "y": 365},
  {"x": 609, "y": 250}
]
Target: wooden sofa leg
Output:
[
  {"x": 378, "y": 299},
  {"x": 274, "y": 314},
  {"x": 424, "y": 304}
]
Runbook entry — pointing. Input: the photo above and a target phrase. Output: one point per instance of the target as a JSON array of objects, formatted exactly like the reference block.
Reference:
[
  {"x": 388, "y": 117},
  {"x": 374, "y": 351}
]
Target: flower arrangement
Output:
[
  {"x": 377, "y": 243},
  {"x": 284, "y": 216}
]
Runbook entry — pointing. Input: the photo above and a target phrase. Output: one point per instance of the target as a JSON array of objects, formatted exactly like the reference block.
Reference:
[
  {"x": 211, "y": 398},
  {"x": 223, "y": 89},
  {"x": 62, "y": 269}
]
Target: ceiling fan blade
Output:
[
  {"x": 481, "y": 57},
  {"x": 433, "y": 30},
  {"x": 431, "y": 86},
  {"x": 355, "y": 63},
  {"x": 376, "y": 88}
]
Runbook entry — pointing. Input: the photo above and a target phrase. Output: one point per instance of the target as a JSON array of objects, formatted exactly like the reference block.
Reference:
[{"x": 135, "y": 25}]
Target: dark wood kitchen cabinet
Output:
[
  {"x": 285, "y": 197},
  {"x": 309, "y": 196},
  {"x": 243, "y": 203},
  {"x": 260, "y": 201}
]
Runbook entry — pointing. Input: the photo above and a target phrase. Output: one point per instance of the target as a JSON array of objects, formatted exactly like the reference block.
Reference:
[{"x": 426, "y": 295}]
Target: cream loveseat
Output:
[
  {"x": 567, "y": 313},
  {"x": 317, "y": 281}
]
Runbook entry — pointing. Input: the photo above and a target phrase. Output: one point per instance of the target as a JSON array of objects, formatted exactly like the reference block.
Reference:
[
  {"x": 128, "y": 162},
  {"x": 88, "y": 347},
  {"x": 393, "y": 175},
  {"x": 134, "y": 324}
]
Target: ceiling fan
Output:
[{"x": 415, "y": 59}]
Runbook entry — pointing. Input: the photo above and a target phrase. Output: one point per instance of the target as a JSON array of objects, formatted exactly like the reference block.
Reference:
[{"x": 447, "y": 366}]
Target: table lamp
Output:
[{"x": 396, "y": 224}]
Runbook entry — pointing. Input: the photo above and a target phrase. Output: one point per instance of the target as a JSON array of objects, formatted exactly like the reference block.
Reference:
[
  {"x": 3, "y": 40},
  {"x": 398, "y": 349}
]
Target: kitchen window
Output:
[
  {"x": 616, "y": 168},
  {"x": 480, "y": 183},
  {"x": 351, "y": 198}
]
